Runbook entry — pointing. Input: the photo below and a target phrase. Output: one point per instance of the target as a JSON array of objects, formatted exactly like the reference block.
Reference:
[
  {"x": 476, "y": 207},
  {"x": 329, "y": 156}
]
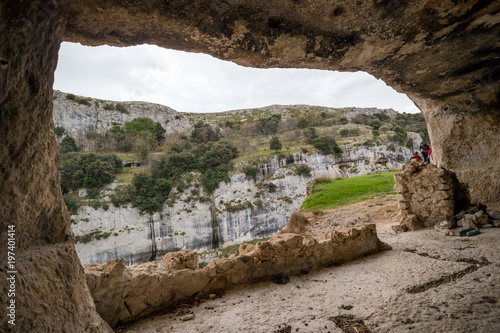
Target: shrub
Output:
[
  {"x": 140, "y": 124},
  {"x": 269, "y": 125},
  {"x": 327, "y": 145},
  {"x": 386, "y": 127},
  {"x": 109, "y": 107},
  {"x": 150, "y": 193},
  {"x": 409, "y": 143},
  {"x": 59, "y": 131},
  {"x": 271, "y": 187},
  {"x": 310, "y": 134},
  {"x": 347, "y": 132},
  {"x": 68, "y": 145},
  {"x": 251, "y": 171},
  {"x": 322, "y": 180},
  {"x": 259, "y": 204},
  {"x": 302, "y": 122},
  {"x": 375, "y": 123},
  {"x": 88, "y": 170},
  {"x": 70, "y": 204},
  {"x": 376, "y": 133},
  {"x": 343, "y": 121},
  {"x": 122, "y": 108},
  {"x": 203, "y": 133},
  {"x": 360, "y": 119},
  {"x": 303, "y": 170}
]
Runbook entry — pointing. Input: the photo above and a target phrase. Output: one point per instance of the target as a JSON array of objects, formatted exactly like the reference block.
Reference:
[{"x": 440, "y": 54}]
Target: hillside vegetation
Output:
[{"x": 215, "y": 146}]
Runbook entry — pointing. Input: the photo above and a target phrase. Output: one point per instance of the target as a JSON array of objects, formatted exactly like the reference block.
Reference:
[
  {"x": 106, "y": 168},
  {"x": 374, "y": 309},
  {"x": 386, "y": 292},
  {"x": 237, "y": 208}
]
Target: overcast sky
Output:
[{"x": 191, "y": 82}]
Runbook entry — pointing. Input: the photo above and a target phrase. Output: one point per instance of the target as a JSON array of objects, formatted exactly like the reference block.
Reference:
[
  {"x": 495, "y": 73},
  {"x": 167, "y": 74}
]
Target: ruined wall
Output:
[
  {"x": 425, "y": 195},
  {"x": 124, "y": 294}
]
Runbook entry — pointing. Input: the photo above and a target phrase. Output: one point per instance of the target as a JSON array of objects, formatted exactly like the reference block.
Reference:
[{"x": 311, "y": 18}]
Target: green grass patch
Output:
[
  {"x": 346, "y": 191},
  {"x": 126, "y": 174}
]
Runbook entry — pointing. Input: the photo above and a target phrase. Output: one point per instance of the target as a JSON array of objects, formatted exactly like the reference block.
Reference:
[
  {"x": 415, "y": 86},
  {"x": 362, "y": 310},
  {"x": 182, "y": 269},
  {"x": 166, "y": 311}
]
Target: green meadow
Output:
[{"x": 346, "y": 191}]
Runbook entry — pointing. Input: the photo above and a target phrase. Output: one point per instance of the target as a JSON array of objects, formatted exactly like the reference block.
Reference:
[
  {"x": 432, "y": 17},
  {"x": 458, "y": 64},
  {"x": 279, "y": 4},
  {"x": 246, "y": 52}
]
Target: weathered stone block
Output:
[{"x": 181, "y": 259}]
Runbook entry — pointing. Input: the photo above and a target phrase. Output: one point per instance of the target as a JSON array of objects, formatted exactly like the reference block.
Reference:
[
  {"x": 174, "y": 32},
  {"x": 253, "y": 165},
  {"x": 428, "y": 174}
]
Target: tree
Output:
[
  {"x": 203, "y": 133},
  {"x": 275, "y": 144},
  {"x": 302, "y": 123},
  {"x": 327, "y": 145},
  {"x": 68, "y": 145},
  {"x": 310, "y": 134},
  {"x": 159, "y": 133}
]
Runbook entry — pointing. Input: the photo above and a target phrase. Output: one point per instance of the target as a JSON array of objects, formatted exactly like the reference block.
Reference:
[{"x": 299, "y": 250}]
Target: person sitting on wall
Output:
[
  {"x": 425, "y": 150},
  {"x": 416, "y": 156}
]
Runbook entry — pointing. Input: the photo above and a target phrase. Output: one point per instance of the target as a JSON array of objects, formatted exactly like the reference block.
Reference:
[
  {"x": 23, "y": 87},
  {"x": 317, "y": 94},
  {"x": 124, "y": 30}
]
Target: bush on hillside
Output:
[
  {"x": 68, "y": 145},
  {"x": 303, "y": 170},
  {"x": 327, "y": 145},
  {"x": 251, "y": 171}
]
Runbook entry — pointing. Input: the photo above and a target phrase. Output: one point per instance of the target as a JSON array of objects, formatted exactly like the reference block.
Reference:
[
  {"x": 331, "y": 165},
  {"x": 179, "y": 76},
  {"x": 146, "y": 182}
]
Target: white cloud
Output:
[{"x": 192, "y": 82}]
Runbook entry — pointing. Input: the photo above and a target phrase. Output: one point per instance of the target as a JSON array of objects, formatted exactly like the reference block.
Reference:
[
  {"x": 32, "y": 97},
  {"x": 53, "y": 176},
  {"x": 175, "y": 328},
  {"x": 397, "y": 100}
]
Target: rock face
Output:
[
  {"x": 80, "y": 120},
  {"x": 203, "y": 226},
  {"x": 425, "y": 195},
  {"x": 124, "y": 294},
  {"x": 50, "y": 290},
  {"x": 442, "y": 54}
]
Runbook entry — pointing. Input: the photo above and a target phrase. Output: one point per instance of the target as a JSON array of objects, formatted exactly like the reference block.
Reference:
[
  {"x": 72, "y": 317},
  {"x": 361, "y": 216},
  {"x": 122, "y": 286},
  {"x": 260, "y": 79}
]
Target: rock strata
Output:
[{"x": 124, "y": 294}]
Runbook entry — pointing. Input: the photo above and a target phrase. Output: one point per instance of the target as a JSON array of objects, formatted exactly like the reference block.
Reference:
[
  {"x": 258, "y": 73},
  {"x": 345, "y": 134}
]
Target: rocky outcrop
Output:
[
  {"x": 239, "y": 210},
  {"x": 80, "y": 117},
  {"x": 124, "y": 294},
  {"x": 425, "y": 195}
]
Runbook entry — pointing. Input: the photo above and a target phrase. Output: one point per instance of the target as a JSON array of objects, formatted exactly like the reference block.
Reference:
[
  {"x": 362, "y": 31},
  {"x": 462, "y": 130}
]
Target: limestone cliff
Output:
[{"x": 238, "y": 211}]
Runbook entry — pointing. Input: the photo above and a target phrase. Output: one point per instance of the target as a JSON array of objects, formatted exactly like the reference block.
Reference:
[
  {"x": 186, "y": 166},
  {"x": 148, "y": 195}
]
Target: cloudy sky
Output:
[{"x": 190, "y": 82}]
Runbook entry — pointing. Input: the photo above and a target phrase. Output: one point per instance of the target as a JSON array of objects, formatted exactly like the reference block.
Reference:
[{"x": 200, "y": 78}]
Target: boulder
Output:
[{"x": 181, "y": 259}]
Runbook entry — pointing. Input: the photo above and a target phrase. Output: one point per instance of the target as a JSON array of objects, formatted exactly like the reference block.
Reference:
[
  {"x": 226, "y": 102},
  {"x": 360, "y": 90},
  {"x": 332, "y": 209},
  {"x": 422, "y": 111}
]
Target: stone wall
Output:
[
  {"x": 425, "y": 195},
  {"x": 124, "y": 294}
]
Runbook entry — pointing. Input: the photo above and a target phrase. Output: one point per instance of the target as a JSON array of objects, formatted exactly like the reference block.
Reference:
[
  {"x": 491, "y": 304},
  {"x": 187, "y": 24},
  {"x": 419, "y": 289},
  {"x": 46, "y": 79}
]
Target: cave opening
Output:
[{"x": 104, "y": 90}]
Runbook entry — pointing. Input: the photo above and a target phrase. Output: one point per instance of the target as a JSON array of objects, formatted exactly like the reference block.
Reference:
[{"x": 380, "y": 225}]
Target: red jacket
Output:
[{"x": 416, "y": 157}]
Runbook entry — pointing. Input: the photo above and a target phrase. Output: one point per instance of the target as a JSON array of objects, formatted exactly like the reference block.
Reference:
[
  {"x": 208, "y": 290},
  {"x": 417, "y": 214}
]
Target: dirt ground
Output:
[{"x": 427, "y": 283}]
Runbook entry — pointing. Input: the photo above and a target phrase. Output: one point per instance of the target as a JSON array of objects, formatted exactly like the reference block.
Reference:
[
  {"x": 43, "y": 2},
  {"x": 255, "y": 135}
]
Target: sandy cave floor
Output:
[{"x": 427, "y": 283}]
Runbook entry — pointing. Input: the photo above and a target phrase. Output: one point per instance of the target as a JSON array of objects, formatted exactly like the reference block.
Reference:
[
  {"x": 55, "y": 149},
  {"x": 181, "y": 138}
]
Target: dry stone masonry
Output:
[{"x": 425, "y": 195}]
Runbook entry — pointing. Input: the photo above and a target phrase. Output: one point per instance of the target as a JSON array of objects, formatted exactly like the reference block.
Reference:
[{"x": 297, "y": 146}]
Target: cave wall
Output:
[
  {"x": 50, "y": 290},
  {"x": 442, "y": 53}
]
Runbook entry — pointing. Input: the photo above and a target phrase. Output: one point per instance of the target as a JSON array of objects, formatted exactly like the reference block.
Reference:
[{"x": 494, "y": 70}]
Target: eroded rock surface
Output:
[{"x": 124, "y": 294}]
